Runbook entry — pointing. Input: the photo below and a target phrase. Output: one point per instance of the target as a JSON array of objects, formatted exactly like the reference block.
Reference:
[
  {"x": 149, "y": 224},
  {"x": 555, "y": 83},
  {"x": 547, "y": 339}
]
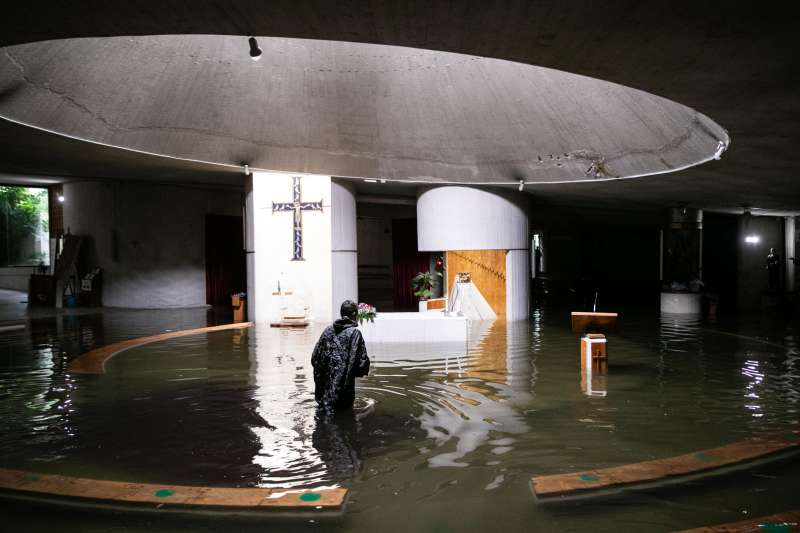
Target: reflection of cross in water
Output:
[{"x": 297, "y": 207}]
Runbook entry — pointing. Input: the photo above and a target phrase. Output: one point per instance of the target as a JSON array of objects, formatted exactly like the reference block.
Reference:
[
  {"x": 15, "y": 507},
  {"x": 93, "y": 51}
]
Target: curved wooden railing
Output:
[
  {"x": 17, "y": 483},
  {"x": 94, "y": 361},
  {"x": 711, "y": 461}
]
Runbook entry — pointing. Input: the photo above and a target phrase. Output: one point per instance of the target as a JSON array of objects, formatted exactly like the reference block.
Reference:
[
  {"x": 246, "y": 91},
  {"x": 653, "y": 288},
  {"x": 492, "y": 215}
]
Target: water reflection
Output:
[
  {"x": 284, "y": 392},
  {"x": 751, "y": 371},
  {"x": 237, "y": 408},
  {"x": 464, "y": 409},
  {"x": 336, "y": 439}
]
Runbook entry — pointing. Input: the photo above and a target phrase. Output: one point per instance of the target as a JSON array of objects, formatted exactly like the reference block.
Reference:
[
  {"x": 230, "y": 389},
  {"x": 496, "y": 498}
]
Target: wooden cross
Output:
[{"x": 297, "y": 206}]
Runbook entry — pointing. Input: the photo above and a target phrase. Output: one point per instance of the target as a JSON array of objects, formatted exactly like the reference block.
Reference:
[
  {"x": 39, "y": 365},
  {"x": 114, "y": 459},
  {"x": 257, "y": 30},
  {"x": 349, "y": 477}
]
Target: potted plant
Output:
[{"x": 422, "y": 285}]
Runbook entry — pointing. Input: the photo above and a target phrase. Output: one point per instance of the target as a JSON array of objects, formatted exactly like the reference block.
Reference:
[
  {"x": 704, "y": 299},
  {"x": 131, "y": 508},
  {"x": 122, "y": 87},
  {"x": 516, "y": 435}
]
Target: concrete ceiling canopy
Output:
[{"x": 349, "y": 109}]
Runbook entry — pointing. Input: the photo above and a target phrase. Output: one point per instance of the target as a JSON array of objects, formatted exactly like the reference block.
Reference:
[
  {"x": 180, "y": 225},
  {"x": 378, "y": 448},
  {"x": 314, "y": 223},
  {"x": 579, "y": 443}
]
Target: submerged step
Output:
[
  {"x": 94, "y": 361},
  {"x": 593, "y": 482},
  {"x": 167, "y": 497}
]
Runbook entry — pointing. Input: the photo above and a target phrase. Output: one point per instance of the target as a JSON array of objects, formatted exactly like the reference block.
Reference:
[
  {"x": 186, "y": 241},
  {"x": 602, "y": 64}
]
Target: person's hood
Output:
[{"x": 342, "y": 324}]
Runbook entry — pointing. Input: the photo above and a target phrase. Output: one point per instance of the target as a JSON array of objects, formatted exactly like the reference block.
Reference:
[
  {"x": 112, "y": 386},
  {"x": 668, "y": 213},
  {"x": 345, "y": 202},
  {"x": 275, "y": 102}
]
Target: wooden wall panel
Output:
[{"x": 488, "y": 271}]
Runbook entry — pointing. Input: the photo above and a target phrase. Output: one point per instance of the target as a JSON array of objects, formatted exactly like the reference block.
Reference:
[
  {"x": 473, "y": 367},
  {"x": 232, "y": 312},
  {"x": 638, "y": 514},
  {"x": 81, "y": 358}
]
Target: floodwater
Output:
[{"x": 444, "y": 438}]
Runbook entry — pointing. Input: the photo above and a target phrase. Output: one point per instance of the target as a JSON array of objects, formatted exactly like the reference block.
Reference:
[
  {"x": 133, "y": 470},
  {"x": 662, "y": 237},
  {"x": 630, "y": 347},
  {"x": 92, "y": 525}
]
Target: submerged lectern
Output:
[{"x": 592, "y": 326}]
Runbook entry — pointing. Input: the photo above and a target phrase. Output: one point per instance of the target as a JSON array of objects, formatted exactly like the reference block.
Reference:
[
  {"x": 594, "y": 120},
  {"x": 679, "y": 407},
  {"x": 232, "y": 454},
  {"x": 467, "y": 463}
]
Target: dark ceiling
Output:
[{"x": 732, "y": 61}]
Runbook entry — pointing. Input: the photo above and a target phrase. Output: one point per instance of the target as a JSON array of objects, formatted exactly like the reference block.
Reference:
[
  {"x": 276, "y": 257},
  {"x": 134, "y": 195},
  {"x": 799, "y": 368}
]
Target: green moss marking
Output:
[
  {"x": 163, "y": 493},
  {"x": 310, "y": 496},
  {"x": 32, "y": 477},
  {"x": 589, "y": 477},
  {"x": 792, "y": 437},
  {"x": 703, "y": 456},
  {"x": 775, "y": 527}
]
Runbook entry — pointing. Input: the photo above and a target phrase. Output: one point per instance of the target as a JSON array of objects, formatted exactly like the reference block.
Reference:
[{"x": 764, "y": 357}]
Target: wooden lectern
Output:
[
  {"x": 594, "y": 357},
  {"x": 591, "y": 322}
]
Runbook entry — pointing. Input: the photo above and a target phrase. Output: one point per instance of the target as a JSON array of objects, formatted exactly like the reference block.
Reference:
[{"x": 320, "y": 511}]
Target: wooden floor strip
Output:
[
  {"x": 730, "y": 455},
  {"x": 94, "y": 361},
  {"x": 175, "y": 496},
  {"x": 781, "y": 522}
]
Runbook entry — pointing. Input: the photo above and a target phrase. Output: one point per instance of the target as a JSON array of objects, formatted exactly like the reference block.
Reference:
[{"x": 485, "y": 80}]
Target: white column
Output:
[
  {"x": 466, "y": 218},
  {"x": 344, "y": 250},
  {"x": 517, "y": 284}
]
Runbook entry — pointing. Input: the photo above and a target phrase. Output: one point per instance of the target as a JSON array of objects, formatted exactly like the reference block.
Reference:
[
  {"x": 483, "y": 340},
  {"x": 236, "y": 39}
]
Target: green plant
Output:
[
  {"x": 422, "y": 285},
  {"x": 23, "y": 212}
]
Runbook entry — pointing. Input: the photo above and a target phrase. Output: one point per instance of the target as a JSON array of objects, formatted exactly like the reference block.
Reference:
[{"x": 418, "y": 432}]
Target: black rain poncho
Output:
[{"x": 339, "y": 357}]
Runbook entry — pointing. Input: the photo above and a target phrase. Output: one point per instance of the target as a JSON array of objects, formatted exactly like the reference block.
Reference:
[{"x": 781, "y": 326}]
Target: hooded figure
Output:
[{"x": 339, "y": 357}]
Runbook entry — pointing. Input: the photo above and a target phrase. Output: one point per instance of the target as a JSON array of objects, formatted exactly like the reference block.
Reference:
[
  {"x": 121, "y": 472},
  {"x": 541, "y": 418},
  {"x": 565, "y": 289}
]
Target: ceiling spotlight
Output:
[{"x": 255, "y": 51}]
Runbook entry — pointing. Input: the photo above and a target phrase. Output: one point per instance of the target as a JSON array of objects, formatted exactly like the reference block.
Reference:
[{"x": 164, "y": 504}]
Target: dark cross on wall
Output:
[{"x": 297, "y": 206}]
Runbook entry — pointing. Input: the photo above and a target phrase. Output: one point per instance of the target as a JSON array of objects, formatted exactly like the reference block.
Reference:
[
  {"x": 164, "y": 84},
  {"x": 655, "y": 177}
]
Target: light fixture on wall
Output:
[
  {"x": 752, "y": 239},
  {"x": 255, "y": 51},
  {"x": 521, "y": 185},
  {"x": 60, "y": 198}
]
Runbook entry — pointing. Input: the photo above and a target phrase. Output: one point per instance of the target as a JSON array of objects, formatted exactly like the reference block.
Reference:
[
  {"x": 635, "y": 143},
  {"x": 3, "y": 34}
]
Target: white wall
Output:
[
  {"x": 467, "y": 218},
  {"x": 160, "y": 239}
]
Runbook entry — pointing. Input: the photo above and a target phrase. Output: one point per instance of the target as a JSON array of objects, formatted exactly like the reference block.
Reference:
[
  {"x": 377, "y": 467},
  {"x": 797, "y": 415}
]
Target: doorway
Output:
[{"x": 226, "y": 270}]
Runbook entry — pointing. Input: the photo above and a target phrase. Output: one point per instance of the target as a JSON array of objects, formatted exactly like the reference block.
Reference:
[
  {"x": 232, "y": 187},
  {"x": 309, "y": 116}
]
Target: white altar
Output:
[{"x": 429, "y": 327}]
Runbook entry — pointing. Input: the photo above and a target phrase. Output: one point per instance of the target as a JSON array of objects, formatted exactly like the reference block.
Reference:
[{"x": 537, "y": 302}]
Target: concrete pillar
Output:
[
  {"x": 249, "y": 246},
  {"x": 344, "y": 249},
  {"x": 681, "y": 260},
  {"x": 467, "y": 218}
]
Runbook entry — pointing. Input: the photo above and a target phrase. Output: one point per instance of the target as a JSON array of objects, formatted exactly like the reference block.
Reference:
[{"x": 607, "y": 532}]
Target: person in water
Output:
[{"x": 339, "y": 357}]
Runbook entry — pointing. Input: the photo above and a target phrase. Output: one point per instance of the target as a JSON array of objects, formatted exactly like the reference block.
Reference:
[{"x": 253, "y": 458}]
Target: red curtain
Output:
[
  {"x": 226, "y": 272},
  {"x": 408, "y": 262}
]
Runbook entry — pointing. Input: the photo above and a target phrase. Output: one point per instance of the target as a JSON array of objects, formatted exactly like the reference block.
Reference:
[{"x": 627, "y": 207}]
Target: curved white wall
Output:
[
  {"x": 343, "y": 245},
  {"x": 465, "y": 218}
]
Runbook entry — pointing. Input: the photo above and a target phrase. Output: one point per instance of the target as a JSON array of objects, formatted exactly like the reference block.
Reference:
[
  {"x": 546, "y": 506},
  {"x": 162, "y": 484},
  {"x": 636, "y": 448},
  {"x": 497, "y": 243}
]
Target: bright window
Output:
[{"x": 24, "y": 222}]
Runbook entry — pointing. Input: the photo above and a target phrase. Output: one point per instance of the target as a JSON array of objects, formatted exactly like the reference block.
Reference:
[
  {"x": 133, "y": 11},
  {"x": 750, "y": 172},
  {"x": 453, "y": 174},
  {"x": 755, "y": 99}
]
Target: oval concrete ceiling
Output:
[{"x": 349, "y": 109}]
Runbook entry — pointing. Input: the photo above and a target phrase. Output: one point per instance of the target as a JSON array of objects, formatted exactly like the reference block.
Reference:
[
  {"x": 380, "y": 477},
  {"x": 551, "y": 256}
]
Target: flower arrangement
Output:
[{"x": 366, "y": 312}]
